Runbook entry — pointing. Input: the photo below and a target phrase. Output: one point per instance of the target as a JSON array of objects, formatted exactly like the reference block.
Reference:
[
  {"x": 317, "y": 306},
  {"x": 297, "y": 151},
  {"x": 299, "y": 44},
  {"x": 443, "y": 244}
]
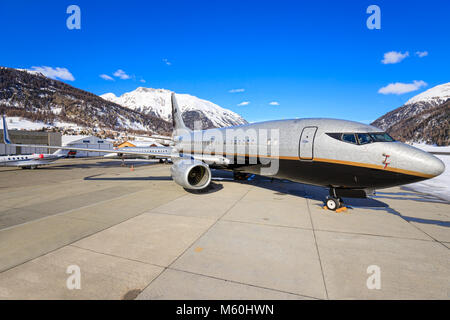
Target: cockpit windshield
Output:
[
  {"x": 381, "y": 137},
  {"x": 362, "y": 138}
]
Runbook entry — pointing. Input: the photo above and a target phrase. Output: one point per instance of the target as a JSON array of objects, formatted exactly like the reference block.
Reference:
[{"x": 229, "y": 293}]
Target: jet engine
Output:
[{"x": 191, "y": 174}]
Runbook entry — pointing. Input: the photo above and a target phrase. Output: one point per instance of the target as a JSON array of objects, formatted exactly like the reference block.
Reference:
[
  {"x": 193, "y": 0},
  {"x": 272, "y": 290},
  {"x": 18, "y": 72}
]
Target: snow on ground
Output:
[
  {"x": 439, "y": 186},
  {"x": 17, "y": 123}
]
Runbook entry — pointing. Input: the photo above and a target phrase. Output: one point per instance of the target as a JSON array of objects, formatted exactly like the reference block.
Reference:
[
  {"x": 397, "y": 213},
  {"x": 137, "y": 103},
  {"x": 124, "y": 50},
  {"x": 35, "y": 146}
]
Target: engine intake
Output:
[{"x": 191, "y": 174}]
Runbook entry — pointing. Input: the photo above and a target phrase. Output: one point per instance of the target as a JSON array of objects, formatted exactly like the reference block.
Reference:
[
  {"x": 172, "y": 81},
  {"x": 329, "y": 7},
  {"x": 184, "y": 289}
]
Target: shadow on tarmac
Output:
[{"x": 286, "y": 187}]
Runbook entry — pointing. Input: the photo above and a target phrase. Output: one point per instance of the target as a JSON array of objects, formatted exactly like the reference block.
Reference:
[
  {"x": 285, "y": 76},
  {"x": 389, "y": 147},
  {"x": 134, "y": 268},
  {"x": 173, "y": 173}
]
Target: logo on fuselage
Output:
[{"x": 385, "y": 161}]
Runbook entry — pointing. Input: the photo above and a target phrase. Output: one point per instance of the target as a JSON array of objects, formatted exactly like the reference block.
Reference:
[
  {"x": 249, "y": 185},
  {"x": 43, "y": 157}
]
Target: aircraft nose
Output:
[
  {"x": 435, "y": 165},
  {"x": 418, "y": 160}
]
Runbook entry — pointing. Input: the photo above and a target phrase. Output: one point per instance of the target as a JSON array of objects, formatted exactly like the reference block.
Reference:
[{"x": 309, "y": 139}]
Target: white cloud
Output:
[
  {"x": 421, "y": 54},
  {"x": 106, "y": 77},
  {"x": 121, "y": 74},
  {"x": 143, "y": 81},
  {"x": 401, "y": 88},
  {"x": 236, "y": 90},
  {"x": 54, "y": 73},
  {"x": 166, "y": 61},
  {"x": 274, "y": 103},
  {"x": 244, "y": 103},
  {"x": 394, "y": 57}
]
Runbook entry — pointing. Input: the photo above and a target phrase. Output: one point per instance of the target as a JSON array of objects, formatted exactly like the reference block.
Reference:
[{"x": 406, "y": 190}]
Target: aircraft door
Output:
[{"x": 306, "y": 147}]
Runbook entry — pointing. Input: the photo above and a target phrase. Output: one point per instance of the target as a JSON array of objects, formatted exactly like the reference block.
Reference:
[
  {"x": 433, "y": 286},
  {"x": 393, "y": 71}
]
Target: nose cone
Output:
[
  {"x": 426, "y": 163},
  {"x": 416, "y": 160},
  {"x": 435, "y": 166}
]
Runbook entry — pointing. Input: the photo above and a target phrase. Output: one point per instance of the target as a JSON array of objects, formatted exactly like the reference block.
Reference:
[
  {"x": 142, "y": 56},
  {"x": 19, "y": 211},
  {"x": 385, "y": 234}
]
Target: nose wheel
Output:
[{"x": 334, "y": 203}]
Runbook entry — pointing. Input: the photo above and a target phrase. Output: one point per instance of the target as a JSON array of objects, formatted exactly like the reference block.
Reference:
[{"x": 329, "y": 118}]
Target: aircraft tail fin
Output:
[
  {"x": 6, "y": 139},
  {"x": 177, "y": 119}
]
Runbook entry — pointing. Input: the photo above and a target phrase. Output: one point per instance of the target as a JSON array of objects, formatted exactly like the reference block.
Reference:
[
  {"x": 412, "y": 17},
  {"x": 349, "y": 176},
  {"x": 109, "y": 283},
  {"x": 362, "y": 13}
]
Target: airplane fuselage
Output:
[
  {"x": 28, "y": 160},
  {"x": 325, "y": 152}
]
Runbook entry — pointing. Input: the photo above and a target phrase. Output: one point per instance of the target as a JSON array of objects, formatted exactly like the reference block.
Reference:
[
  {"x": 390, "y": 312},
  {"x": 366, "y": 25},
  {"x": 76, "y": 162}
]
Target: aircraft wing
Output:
[
  {"x": 144, "y": 152},
  {"x": 217, "y": 159}
]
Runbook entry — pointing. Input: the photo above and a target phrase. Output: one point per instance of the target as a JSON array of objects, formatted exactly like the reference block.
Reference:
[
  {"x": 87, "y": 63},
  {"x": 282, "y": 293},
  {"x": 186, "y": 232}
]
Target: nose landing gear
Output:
[{"x": 334, "y": 203}]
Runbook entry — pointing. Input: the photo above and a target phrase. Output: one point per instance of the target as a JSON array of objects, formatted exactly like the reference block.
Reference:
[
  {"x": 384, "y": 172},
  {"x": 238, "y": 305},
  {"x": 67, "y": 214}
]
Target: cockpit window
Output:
[
  {"x": 349, "y": 137},
  {"x": 381, "y": 137},
  {"x": 364, "y": 138}
]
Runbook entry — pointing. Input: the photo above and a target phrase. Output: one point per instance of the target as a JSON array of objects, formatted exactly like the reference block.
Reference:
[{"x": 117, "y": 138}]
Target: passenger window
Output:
[
  {"x": 349, "y": 137},
  {"x": 363, "y": 138}
]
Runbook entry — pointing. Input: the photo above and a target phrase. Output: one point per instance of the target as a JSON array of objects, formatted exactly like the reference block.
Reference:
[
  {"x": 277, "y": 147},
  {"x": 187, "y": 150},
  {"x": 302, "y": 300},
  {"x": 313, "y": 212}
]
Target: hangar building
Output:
[
  {"x": 87, "y": 142},
  {"x": 30, "y": 137}
]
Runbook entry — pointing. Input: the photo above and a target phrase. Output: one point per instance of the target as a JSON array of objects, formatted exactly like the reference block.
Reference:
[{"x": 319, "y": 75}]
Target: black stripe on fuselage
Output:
[{"x": 330, "y": 174}]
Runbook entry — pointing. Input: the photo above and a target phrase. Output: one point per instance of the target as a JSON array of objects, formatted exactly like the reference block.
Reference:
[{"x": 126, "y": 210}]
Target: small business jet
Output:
[
  {"x": 351, "y": 159},
  {"x": 27, "y": 161}
]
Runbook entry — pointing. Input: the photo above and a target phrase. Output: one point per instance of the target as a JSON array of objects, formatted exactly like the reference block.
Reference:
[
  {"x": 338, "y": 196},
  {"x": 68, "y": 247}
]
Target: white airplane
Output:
[{"x": 27, "y": 161}]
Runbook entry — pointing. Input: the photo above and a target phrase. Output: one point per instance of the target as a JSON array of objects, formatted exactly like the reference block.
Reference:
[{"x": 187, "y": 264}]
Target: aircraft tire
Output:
[{"x": 332, "y": 204}]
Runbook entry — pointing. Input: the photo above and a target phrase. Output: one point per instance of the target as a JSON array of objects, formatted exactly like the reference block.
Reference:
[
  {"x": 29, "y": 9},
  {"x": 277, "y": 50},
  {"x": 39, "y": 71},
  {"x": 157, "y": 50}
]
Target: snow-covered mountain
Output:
[
  {"x": 423, "y": 118},
  {"x": 436, "y": 95},
  {"x": 39, "y": 102},
  {"x": 157, "y": 102}
]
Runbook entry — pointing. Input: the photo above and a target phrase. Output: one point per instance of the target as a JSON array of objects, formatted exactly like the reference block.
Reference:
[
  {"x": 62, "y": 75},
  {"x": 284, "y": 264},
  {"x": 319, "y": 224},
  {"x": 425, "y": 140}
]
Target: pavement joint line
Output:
[
  {"x": 434, "y": 239},
  {"x": 61, "y": 198},
  {"x": 267, "y": 224},
  {"x": 181, "y": 196},
  {"x": 324, "y": 230},
  {"x": 116, "y": 256},
  {"x": 199, "y": 237},
  {"x": 71, "y": 210},
  {"x": 373, "y": 235},
  {"x": 180, "y": 215},
  {"x": 318, "y": 252},
  {"x": 242, "y": 283},
  {"x": 68, "y": 244}
]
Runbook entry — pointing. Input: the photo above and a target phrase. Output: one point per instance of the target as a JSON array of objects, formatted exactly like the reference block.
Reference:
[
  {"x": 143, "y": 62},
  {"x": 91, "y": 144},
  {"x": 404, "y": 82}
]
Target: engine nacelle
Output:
[{"x": 191, "y": 174}]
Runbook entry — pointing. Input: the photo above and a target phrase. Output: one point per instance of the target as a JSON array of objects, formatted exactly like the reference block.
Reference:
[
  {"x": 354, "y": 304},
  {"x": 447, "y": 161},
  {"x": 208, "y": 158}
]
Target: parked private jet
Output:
[
  {"x": 27, "y": 161},
  {"x": 350, "y": 158}
]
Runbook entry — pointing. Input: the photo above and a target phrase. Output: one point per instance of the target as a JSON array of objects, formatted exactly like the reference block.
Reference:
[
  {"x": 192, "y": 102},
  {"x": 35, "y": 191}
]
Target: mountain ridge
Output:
[
  {"x": 157, "y": 102},
  {"x": 423, "y": 118},
  {"x": 32, "y": 96}
]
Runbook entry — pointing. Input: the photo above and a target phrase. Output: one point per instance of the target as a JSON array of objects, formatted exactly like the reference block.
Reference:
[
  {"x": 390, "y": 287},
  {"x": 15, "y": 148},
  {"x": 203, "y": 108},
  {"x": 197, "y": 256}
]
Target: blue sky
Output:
[{"x": 314, "y": 58}]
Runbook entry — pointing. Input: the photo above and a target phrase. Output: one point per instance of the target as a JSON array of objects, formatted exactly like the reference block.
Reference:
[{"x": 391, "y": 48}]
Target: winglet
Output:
[
  {"x": 177, "y": 119},
  {"x": 6, "y": 139}
]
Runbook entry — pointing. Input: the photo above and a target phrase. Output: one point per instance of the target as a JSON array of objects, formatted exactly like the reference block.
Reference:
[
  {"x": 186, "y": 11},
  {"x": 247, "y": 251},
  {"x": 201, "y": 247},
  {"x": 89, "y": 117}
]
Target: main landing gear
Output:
[
  {"x": 333, "y": 202},
  {"x": 240, "y": 175}
]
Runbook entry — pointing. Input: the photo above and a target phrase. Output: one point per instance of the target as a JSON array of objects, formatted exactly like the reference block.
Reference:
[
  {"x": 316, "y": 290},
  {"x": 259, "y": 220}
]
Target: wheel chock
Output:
[{"x": 341, "y": 209}]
